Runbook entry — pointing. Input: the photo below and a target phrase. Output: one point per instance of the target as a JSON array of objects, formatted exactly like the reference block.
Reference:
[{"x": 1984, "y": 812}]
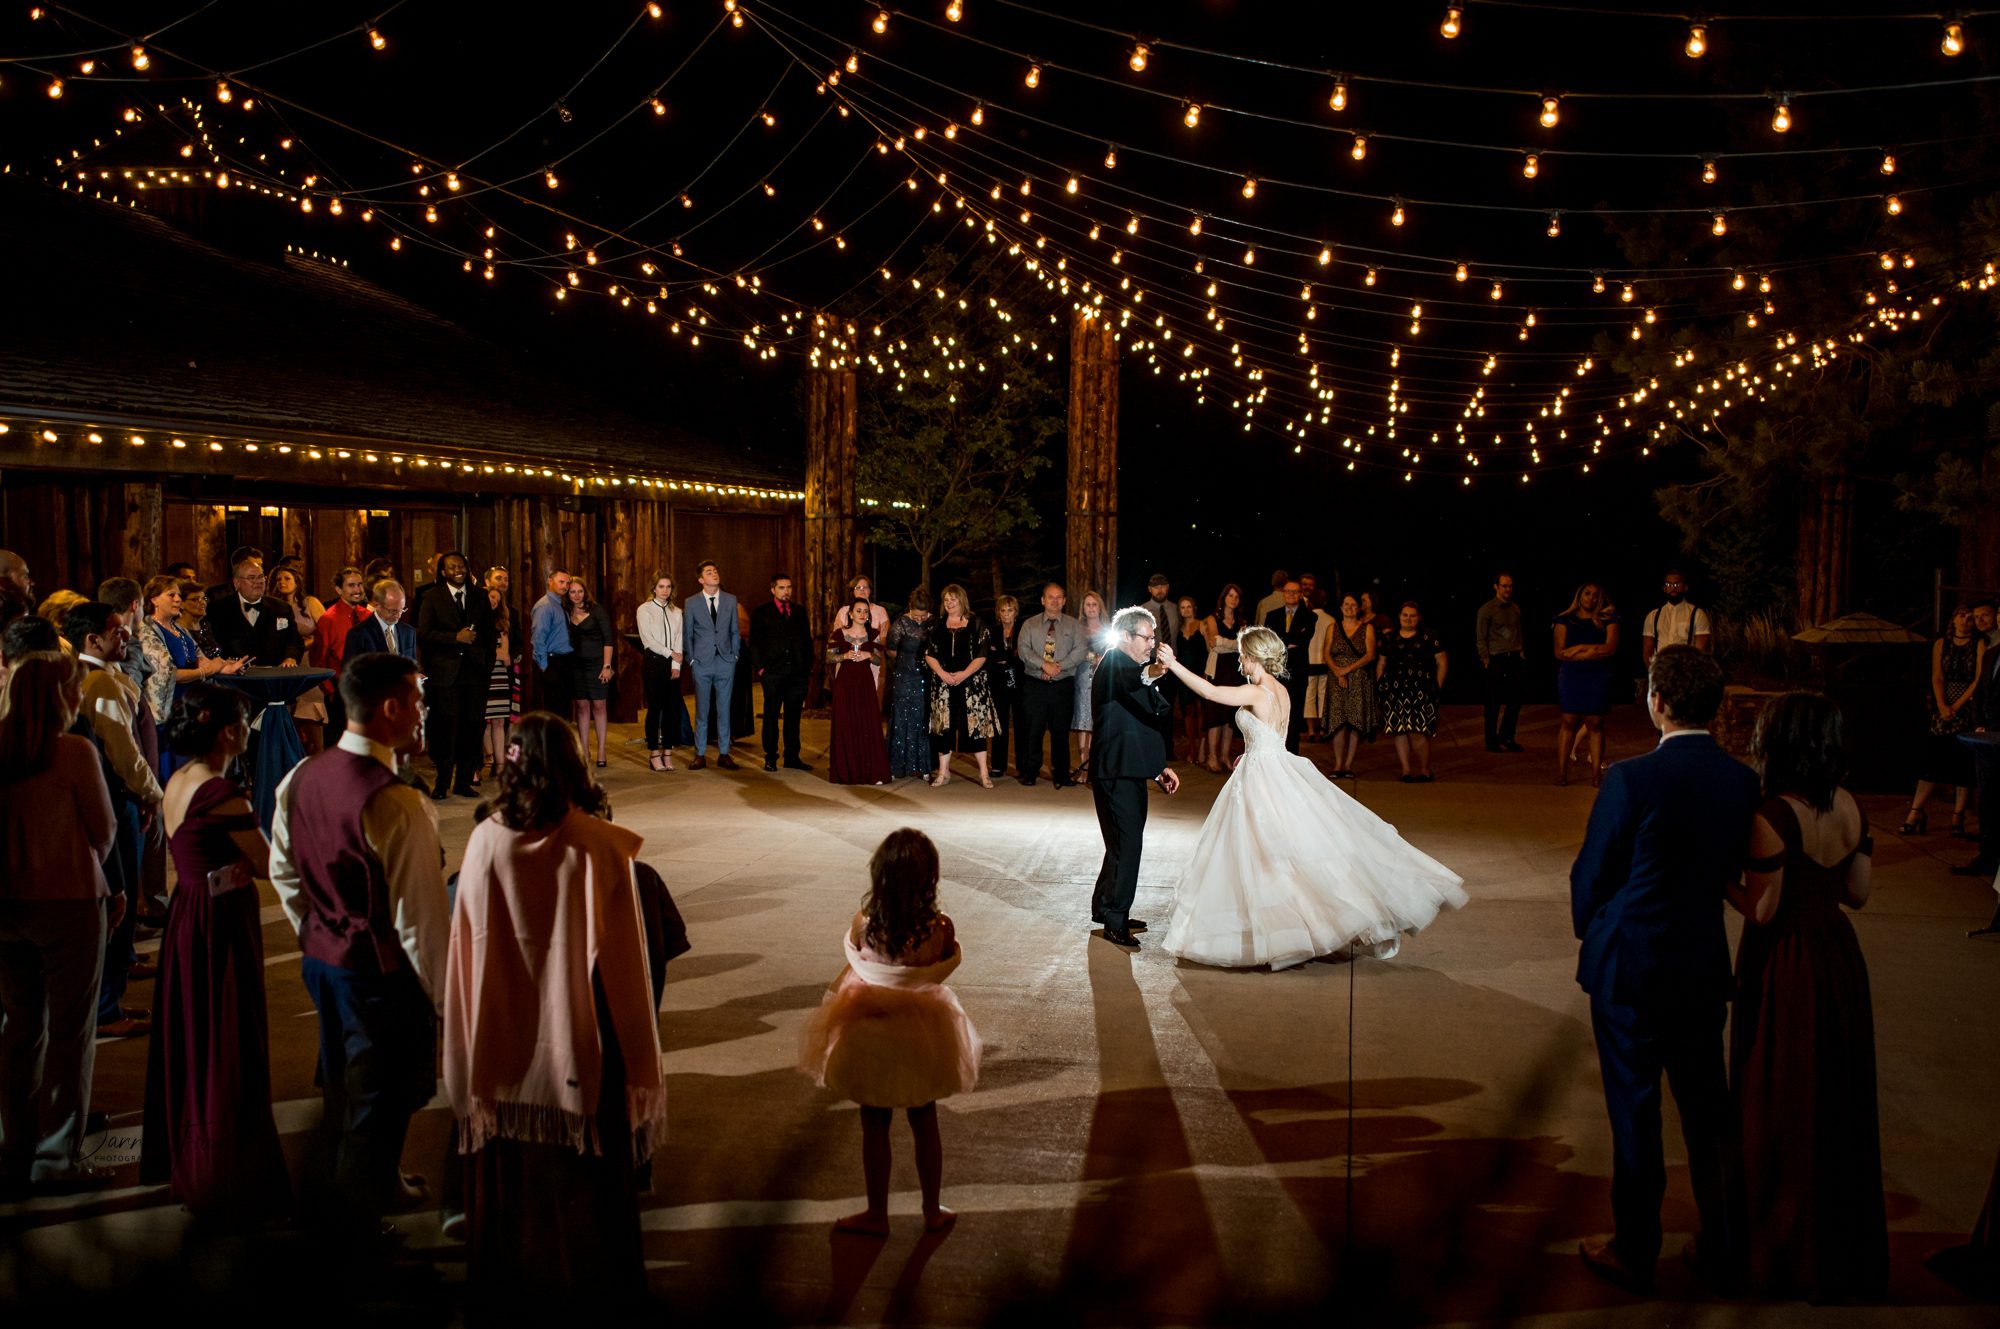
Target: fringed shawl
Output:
[{"x": 537, "y": 913}]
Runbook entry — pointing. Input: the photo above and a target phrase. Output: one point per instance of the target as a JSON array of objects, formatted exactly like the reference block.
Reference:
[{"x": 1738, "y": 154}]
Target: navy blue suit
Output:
[
  {"x": 367, "y": 637},
  {"x": 1669, "y": 832}
]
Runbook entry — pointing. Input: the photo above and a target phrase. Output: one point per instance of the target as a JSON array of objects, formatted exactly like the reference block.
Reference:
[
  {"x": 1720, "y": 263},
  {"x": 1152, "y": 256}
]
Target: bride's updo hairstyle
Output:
[{"x": 1266, "y": 647}]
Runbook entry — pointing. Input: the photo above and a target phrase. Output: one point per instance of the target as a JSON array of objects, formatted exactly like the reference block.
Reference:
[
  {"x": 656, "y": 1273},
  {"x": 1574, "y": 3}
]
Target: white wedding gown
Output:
[{"x": 1289, "y": 867}]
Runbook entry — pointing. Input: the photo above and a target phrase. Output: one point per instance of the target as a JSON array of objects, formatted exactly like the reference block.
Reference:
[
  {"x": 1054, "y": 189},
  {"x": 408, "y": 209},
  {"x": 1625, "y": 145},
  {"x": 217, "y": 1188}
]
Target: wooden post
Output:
[
  {"x": 1825, "y": 540},
  {"x": 144, "y": 552},
  {"x": 832, "y": 535},
  {"x": 1091, "y": 540}
]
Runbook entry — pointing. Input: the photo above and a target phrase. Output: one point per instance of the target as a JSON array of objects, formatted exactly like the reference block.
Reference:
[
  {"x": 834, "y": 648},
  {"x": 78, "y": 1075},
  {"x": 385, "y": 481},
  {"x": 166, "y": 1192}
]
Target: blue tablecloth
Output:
[{"x": 276, "y": 747}]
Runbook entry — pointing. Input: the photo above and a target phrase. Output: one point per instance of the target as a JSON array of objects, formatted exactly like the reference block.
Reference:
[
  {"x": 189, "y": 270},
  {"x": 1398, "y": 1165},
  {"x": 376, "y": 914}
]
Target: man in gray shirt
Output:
[
  {"x": 1497, "y": 637},
  {"x": 1051, "y": 645}
]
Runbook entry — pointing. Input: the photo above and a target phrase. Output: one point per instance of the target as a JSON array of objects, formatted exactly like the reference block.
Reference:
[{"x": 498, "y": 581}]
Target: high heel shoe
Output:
[
  {"x": 655, "y": 762},
  {"x": 1919, "y": 820},
  {"x": 1958, "y": 827}
]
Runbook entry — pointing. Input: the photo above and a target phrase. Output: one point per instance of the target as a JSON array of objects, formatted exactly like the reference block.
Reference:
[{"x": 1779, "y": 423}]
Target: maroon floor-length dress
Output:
[
  {"x": 1802, "y": 1061},
  {"x": 209, "y": 1129},
  {"x": 860, "y": 755}
]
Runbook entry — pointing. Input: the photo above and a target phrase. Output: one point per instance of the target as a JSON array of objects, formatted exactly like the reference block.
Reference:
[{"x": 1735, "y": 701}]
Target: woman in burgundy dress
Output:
[
  {"x": 859, "y": 754},
  {"x": 209, "y": 1129},
  {"x": 1802, "y": 1043}
]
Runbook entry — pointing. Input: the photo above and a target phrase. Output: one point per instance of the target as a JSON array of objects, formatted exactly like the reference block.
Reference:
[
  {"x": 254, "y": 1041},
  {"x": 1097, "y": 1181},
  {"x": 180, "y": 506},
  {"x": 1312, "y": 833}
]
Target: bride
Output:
[{"x": 1289, "y": 867}]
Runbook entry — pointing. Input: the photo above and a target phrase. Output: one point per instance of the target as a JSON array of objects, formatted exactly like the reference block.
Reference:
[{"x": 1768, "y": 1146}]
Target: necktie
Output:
[
  {"x": 711, "y": 609},
  {"x": 1288, "y": 620},
  {"x": 1049, "y": 644},
  {"x": 251, "y": 608},
  {"x": 784, "y": 609},
  {"x": 458, "y": 598}
]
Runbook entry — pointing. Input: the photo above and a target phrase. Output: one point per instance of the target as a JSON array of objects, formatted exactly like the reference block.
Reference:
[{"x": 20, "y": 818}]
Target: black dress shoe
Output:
[
  {"x": 1512, "y": 746},
  {"x": 794, "y": 764},
  {"x": 725, "y": 762},
  {"x": 440, "y": 794},
  {"x": 770, "y": 763},
  {"x": 1978, "y": 867},
  {"x": 1122, "y": 939},
  {"x": 1602, "y": 1259},
  {"x": 465, "y": 791},
  {"x": 1063, "y": 784},
  {"x": 1131, "y": 924},
  {"x": 1028, "y": 782}
]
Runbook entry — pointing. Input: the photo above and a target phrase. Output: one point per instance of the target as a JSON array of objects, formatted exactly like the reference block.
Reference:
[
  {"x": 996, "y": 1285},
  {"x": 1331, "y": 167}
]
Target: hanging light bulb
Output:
[
  {"x": 979, "y": 113},
  {"x": 1461, "y": 274},
  {"x": 1781, "y": 115},
  {"x": 1736, "y": 282},
  {"x": 1249, "y": 186},
  {"x": 1708, "y": 172},
  {"x": 1194, "y": 227},
  {"x": 549, "y": 179},
  {"x": 1250, "y": 256},
  {"x": 853, "y": 64},
  {"x": 1720, "y": 226},
  {"x": 1191, "y": 114},
  {"x": 376, "y": 39},
  {"x": 1531, "y": 165},
  {"x": 1894, "y": 204},
  {"x": 1551, "y": 112},
  {"x": 1626, "y": 293},
  {"x": 1597, "y": 283},
  {"x": 1494, "y": 294},
  {"x": 1325, "y": 255},
  {"x": 1396, "y": 217},
  {"x": 1650, "y": 316},
  {"x": 1110, "y": 156},
  {"x": 1034, "y": 76},
  {"x": 223, "y": 92},
  {"x": 1888, "y": 163},
  {"x": 954, "y": 11},
  {"x": 139, "y": 57},
  {"x": 1369, "y": 280},
  {"x": 1531, "y": 318},
  {"x": 1138, "y": 57},
  {"x": 1360, "y": 148},
  {"x": 1697, "y": 42},
  {"x": 1132, "y": 226},
  {"x": 881, "y": 23},
  {"x": 1454, "y": 19},
  {"x": 55, "y": 89},
  {"x": 1555, "y": 227},
  {"x": 1338, "y": 101},
  {"x": 1954, "y": 37},
  {"x": 1764, "y": 283},
  {"x": 659, "y": 107}
]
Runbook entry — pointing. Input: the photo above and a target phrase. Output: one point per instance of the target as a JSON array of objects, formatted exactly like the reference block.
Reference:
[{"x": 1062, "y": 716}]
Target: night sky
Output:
[{"x": 501, "y": 95}]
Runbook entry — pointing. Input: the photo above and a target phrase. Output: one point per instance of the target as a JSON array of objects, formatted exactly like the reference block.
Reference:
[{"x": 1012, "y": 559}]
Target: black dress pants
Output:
[
  {"x": 784, "y": 695},
  {"x": 457, "y": 715},
  {"x": 666, "y": 714},
  {"x": 1121, "y": 816},
  {"x": 1503, "y": 696},
  {"x": 558, "y": 685},
  {"x": 1295, "y": 689},
  {"x": 1047, "y": 709},
  {"x": 1007, "y": 714}
]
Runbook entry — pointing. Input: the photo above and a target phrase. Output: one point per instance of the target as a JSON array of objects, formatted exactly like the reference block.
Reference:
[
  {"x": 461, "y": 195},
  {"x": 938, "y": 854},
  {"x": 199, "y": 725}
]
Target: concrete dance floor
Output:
[{"x": 1150, "y": 1142}]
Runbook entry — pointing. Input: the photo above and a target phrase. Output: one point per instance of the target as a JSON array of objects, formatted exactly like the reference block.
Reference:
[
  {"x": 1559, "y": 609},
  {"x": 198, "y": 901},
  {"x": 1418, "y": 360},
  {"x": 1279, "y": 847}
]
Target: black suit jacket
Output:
[
  {"x": 1296, "y": 641},
  {"x": 264, "y": 642},
  {"x": 780, "y": 644},
  {"x": 1131, "y": 739},
  {"x": 1669, "y": 831},
  {"x": 449, "y": 662}
]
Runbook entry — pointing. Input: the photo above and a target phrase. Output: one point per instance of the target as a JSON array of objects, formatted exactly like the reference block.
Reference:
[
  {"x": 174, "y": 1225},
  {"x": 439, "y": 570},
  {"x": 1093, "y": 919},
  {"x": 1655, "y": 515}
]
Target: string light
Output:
[
  {"x": 1360, "y": 148},
  {"x": 55, "y": 89},
  {"x": 1597, "y": 283},
  {"x": 1369, "y": 280},
  {"x": 1495, "y": 292},
  {"x": 1461, "y": 274},
  {"x": 853, "y": 65},
  {"x": 139, "y": 58},
  {"x": 659, "y": 107},
  {"x": 1708, "y": 172},
  {"x": 1110, "y": 156},
  {"x": 1191, "y": 114},
  {"x": 1954, "y": 37},
  {"x": 1894, "y": 204},
  {"x": 549, "y": 179},
  {"x": 1453, "y": 19},
  {"x": 1888, "y": 163},
  {"x": 954, "y": 11},
  {"x": 881, "y": 23},
  {"x": 979, "y": 113},
  {"x": 379, "y": 42},
  {"x": 1781, "y": 115},
  {"x": 1325, "y": 255},
  {"x": 1194, "y": 227},
  {"x": 1338, "y": 101},
  {"x": 1249, "y": 186},
  {"x": 1138, "y": 57},
  {"x": 1720, "y": 226},
  {"x": 1034, "y": 78},
  {"x": 1396, "y": 217},
  {"x": 1555, "y": 227},
  {"x": 1551, "y": 112},
  {"x": 1697, "y": 42},
  {"x": 223, "y": 92},
  {"x": 1531, "y": 165}
]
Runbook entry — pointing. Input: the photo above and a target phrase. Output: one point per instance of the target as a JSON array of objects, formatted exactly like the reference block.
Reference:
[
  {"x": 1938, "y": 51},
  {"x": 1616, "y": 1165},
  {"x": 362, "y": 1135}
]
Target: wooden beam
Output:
[
  {"x": 832, "y": 532},
  {"x": 1091, "y": 537}
]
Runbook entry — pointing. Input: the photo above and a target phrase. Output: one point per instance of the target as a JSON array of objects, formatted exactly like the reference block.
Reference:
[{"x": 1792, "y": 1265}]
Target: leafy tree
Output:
[{"x": 954, "y": 418}]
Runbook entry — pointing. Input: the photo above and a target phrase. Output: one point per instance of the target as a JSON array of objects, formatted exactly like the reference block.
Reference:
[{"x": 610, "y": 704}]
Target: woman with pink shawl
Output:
[{"x": 552, "y": 1050}]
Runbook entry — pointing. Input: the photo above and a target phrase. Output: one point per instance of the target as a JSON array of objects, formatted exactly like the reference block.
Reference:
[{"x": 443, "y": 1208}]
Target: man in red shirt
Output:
[{"x": 329, "y": 643}]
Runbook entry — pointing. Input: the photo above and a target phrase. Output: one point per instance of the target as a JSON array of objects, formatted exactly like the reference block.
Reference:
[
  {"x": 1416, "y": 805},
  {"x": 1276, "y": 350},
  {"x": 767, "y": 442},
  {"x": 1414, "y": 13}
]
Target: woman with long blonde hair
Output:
[
  {"x": 1586, "y": 643},
  {"x": 1094, "y": 618}
]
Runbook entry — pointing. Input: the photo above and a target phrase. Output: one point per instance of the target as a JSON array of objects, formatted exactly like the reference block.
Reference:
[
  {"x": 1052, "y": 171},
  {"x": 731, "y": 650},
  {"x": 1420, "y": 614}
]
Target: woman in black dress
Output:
[
  {"x": 1410, "y": 675},
  {"x": 1003, "y": 677},
  {"x": 591, "y": 642},
  {"x": 1958, "y": 662},
  {"x": 961, "y": 713},
  {"x": 1191, "y": 649},
  {"x": 1220, "y": 630}
]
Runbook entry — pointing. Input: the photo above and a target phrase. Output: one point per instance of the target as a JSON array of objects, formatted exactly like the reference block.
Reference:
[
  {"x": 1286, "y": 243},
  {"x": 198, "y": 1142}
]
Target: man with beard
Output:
[
  {"x": 455, "y": 633},
  {"x": 1678, "y": 622}
]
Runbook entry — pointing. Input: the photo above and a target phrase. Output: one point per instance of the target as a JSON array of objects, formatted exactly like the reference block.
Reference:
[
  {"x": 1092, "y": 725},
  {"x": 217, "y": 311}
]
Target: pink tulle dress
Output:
[{"x": 889, "y": 1033}]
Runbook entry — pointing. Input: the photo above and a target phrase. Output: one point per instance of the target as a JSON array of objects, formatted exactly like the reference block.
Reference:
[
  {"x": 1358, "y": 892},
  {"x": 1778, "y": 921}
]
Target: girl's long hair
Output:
[
  {"x": 43, "y": 692},
  {"x": 545, "y": 776},
  {"x": 1604, "y": 606},
  {"x": 902, "y": 904},
  {"x": 1222, "y": 602}
]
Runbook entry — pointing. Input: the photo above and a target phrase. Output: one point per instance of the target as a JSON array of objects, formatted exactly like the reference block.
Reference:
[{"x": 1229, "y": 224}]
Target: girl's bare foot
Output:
[
  {"x": 866, "y": 1224},
  {"x": 936, "y": 1220}
]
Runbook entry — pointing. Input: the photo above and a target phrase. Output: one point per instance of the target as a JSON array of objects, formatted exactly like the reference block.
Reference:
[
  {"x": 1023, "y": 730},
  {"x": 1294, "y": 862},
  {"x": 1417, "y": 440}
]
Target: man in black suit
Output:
[
  {"x": 244, "y": 623},
  {"x": 455, "y": 634},
  {"x": 1669, "y": 833},
  {"x": 781, "y": 651},
  {"x": 1130, "y": 751},
  {"x": 1294, "y": 621}
]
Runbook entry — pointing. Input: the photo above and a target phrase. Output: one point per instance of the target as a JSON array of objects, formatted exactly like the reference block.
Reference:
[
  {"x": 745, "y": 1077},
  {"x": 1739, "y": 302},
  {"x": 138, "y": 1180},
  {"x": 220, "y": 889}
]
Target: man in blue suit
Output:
[
  {"x": 1670, "y": 831},
  {"x": 713, "y": 641},
  {"x": 387, "y": 629}
]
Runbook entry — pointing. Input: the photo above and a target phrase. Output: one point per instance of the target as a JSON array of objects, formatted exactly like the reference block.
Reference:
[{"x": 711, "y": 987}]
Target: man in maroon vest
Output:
[{"x": 357, "y": 866}]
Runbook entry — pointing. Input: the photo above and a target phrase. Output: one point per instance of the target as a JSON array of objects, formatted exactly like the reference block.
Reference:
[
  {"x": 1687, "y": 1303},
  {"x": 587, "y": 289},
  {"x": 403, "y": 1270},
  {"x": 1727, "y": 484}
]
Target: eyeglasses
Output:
[{"x": 1144, "y": 636}]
